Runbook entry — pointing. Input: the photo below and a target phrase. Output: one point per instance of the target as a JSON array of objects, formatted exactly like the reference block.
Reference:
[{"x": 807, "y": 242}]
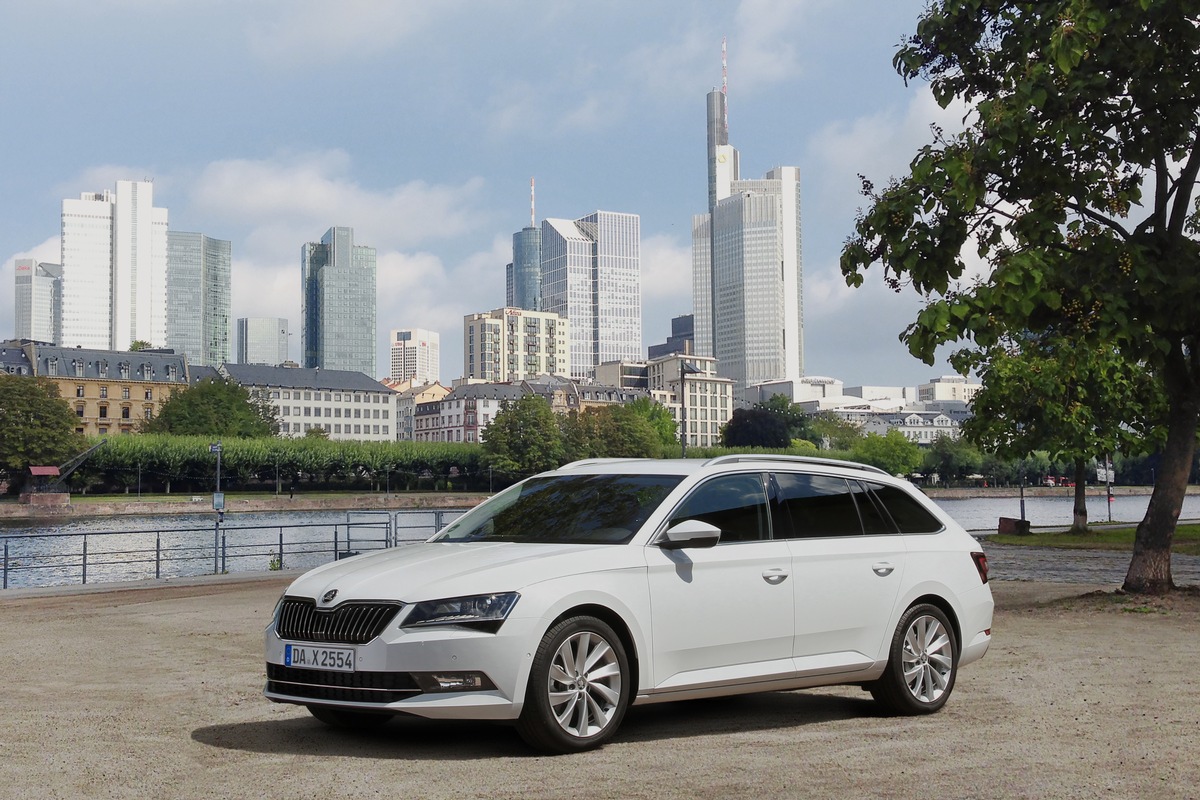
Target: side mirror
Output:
[{"x": 690, "y": 533}]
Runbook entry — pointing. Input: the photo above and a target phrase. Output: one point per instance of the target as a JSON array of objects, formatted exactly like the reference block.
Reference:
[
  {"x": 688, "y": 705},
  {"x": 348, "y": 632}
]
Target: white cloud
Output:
[
  {"x": 313, "y": 31},
  {"x": 286, "y": 201}
]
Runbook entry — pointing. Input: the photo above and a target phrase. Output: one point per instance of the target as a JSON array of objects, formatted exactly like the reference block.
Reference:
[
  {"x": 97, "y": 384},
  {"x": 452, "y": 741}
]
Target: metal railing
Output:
[{"x": 79, "y": 557}]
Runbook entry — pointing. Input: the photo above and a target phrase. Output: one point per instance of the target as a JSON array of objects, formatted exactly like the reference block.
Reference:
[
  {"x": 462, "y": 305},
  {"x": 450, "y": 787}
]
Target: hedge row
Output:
[{"x": 187, "y": 464}]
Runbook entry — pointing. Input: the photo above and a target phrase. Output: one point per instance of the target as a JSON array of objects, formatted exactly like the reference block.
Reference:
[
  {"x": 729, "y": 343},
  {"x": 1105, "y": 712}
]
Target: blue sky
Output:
[{"x": 265, "y": 122}]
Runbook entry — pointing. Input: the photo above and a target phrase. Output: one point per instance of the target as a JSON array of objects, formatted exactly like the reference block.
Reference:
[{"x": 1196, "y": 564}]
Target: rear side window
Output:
[
  {"x": 875, "y": 519},
  {"x": 737, "y": 504},
  {"x": 910, "y": 516},
  {"x": 814, "y": 506}
]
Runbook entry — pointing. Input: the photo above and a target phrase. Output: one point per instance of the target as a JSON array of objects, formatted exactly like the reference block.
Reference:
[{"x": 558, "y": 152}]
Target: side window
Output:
[
  {"x": 910, "y": 516},
  {"x": 875, "y": 519},
  {"x": 817, "y": 505},
  {"x": 737, "y": 504}
]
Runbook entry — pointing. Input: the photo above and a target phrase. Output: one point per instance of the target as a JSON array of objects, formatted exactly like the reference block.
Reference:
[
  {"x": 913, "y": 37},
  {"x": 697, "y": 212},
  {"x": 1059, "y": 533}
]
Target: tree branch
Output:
[
  {"x": 1183, "y": 196},
  {"x": 1083, "y": 211}
]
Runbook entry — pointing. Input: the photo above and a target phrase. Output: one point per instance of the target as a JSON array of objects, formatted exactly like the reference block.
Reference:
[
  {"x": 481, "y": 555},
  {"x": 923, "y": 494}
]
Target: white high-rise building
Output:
[
  {"x": 747, "y": 287},
  {"x": 591, "y": 275},
  {"x": 262, "y": 340},
  {"x": 514, "y": 344},
  {"x": 416, "y": 356},
  {"x": 114, "y": 263},
  {"x": 38, "y": 299}
]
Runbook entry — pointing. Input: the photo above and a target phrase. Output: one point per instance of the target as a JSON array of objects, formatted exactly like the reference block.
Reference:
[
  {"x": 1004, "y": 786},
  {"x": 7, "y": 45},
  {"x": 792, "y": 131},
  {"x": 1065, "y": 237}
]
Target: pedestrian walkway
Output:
[{"x": 1016, "y": 563}]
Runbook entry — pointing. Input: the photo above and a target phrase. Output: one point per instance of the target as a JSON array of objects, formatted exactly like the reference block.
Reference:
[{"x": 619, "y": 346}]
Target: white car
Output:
[{"x": 564, "y": 599}]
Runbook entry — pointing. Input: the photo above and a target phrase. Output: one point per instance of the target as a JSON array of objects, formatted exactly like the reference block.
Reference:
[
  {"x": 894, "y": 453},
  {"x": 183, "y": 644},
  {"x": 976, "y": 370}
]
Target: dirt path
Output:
[{"x": 157, "y": 693}]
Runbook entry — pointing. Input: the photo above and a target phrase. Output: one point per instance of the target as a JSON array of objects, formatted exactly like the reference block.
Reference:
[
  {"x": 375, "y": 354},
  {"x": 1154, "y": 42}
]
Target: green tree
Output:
[
  {"x": 37, "y": 427},
  {"x": 892, "y": 452},
  {"x": 524, "y": 438},
  {"x": 1075, "y": 184},
  {"x": 755, "y": 427},
  {"x": 799, "y": 424},
  {"x": 138, "y": 344},
  {"x": 1077, "y": 402},
  {"x": 214, "y": 407},
  {"x": 661, "y": 421},
  {"x": 316, "y": 432},
  {"x": 952, "y": 459},
  {"x": 833, "y": 432},
  {"x": 624, "y": 432}
]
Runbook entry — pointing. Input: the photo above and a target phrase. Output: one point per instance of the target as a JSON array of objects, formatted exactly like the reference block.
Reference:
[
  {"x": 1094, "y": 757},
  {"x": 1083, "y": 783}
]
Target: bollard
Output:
[
  {"x": 85, "y": 559},
  {"x": 157, "y": 555}
]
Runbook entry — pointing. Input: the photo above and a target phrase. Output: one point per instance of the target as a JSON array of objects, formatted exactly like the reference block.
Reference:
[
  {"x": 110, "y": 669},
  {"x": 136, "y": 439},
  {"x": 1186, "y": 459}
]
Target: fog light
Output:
[{"x": 453, "y": 681}]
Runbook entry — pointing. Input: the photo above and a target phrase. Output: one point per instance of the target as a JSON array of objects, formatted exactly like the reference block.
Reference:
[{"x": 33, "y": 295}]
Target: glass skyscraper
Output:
[
  {"x": 338, "y": 303},
  {"x": 747, "y": 286},
  {"x": 524, "y": 276},
  {"x": 198, "y": 298},
  {"x": 591, "y": 274},
  {"x": 38, "y": 301},
  {"x": 262, "y": 340}
]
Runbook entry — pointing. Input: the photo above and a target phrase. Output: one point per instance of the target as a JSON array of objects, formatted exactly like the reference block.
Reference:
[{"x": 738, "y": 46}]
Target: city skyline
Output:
[{"x": 617, "y": 123}]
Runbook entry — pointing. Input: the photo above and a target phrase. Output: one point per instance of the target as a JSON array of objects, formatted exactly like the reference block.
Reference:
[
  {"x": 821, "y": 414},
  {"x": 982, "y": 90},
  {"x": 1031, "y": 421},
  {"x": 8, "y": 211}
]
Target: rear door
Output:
[{"x": 848, "y": 565}]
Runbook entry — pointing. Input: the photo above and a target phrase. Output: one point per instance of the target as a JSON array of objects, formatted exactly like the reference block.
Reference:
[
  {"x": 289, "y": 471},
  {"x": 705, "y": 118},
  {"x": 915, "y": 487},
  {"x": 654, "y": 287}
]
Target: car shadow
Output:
[{"x": 410, "y": 738}]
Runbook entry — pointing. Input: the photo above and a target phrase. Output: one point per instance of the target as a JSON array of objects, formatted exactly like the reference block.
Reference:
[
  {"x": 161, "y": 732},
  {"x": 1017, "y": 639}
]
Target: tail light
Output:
[{"x": 981, "y": 564}]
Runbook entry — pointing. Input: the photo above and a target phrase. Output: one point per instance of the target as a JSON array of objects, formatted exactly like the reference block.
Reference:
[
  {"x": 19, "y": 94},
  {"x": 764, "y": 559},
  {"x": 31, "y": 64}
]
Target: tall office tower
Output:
[
  {"x": 338, "y": 303},
  {"x": 38, "y": 299},
  {"x": 747, "y": 288},
  {"x": 513, "y": 344},
  {"x": 523, "y": 277},
  {"x": 416, "y": 356},
  {"x": 591, "y": 274},
  {"x": 199, "y": 320},
  {"x": 262, "y": 340},
  {"x": 114, "y": 263}
]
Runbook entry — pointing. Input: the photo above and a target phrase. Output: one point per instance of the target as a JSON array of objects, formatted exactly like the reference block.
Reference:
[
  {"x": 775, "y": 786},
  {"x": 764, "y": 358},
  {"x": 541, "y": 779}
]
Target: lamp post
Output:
[{"x": 682, "y": 409}]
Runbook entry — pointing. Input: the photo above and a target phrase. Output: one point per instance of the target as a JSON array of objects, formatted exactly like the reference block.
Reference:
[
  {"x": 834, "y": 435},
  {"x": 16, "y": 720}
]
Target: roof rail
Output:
[
  {"x": 828, "y": 462},
  {"x": 587, "y": 462}
]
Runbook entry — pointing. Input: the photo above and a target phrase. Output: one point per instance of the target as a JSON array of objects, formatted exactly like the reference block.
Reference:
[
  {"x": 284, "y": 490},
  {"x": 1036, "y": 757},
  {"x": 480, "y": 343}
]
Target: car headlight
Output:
[{"x": 486, "y": 611}]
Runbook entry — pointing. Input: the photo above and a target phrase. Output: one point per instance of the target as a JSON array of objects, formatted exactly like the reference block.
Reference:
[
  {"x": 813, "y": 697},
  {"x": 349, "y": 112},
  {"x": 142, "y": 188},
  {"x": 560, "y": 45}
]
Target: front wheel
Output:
[
  {"x": 579, "y": 687},
  {"x": 922, "y": 663}
]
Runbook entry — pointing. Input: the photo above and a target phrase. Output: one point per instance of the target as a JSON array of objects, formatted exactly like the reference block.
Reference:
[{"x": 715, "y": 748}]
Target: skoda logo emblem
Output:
[{"x": 328, "y": 596}]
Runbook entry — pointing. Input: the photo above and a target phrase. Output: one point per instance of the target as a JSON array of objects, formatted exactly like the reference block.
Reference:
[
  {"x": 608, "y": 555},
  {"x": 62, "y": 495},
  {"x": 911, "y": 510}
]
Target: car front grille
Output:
[
  {"x": 351, "y": 623},
  {"x": 349, "y": 687}
]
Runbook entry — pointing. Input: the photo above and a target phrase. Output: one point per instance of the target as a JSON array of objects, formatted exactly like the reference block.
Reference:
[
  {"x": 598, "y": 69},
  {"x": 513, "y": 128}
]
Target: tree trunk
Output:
[
  {"x": 1150, "y": 568},
  {"x": 1079, "y": 517}
]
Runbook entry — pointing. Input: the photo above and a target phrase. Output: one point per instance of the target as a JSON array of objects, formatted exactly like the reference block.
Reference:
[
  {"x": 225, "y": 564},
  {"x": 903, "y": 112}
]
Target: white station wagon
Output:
[{"x": 564, "y": 599}]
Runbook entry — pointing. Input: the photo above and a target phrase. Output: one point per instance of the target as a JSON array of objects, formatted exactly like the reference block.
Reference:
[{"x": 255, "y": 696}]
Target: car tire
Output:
[
  {"x": 922, "y": 663},
  {"x": 580, "y": 685},
  {"x": 351, "y": 720}
]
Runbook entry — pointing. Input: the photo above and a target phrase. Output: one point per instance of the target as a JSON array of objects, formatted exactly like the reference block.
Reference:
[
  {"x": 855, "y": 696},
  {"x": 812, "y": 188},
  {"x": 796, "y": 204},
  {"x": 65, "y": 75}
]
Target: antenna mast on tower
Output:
[
  {"x": 725, "y": 85},
  {"x": 532, "y": 216}
]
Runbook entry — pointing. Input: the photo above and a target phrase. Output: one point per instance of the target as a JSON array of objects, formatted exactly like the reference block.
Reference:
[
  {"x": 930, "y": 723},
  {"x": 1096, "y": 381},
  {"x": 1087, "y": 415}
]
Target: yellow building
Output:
[{"x": 110, "y": 391}]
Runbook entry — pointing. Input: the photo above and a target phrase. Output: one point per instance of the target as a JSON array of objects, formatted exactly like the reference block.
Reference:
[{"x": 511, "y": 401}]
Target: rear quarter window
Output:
[{"x": 907, "y": 512}]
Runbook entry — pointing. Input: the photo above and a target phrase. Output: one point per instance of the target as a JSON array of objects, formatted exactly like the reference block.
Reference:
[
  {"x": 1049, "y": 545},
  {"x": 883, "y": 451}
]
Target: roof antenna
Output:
[
  {"x": 725, "y": 85},
  {"x": 532, "y": 216}
]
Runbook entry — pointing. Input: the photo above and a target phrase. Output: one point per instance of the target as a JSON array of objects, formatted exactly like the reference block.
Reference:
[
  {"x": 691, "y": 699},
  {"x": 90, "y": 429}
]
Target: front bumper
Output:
[{"x": 386, "y": 669}]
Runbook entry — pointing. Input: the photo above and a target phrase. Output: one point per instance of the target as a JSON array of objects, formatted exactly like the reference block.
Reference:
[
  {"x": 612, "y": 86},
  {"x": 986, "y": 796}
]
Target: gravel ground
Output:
[{"x": 155, "y": 691}]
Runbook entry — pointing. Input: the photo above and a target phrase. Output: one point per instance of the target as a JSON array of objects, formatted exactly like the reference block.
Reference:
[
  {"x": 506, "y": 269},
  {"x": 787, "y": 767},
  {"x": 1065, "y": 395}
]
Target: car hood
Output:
[{"x": 433, "y": 570}]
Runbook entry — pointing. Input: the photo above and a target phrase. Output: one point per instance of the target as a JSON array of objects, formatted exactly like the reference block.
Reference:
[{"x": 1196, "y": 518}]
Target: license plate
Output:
[{"x": 335, "y": 659}]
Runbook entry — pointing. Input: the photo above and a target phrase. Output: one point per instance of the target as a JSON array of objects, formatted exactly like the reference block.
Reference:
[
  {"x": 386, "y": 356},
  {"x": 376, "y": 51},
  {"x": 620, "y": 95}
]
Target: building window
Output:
[
  {"x": 124, "y": 412},
  {"x": 103, "y": 412},
  {"x": 79, "y": 410},
  {"x": 104, "y": 392},
  {"x": 79, "y": 391},
  {"x": 124, "y": 392},
  {"x": 149, "y": 394}
]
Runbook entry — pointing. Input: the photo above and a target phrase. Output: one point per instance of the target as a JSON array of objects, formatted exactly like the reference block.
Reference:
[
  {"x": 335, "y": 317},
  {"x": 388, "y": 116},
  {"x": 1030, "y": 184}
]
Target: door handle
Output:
[
  {"x": 775, "y": 576},
  {"x": 882, "y": 569}
]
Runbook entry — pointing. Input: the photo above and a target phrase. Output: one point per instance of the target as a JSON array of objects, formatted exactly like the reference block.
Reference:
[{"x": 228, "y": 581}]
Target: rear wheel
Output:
[
  {"x": 579, "y": 687},
  {"x": 922, "y": 663},
  {"x": 345, "y": 718}
]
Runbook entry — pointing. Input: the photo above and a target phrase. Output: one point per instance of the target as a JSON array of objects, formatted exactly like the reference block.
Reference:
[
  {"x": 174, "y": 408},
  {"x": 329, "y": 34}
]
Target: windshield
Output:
[{"x": 596, "y": 509}]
